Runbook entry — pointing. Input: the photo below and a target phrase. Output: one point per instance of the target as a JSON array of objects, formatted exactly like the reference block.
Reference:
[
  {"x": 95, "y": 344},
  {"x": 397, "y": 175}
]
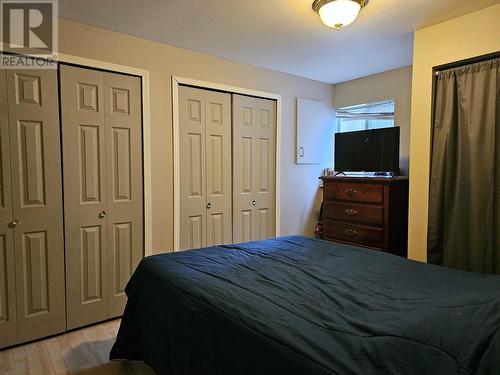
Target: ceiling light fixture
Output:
[{"x": 338, "y": 13}]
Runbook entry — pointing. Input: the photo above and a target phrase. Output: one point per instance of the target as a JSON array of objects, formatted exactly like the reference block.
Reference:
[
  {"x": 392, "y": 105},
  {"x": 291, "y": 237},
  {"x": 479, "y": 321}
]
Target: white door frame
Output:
[{"x": 176, "y": 81}]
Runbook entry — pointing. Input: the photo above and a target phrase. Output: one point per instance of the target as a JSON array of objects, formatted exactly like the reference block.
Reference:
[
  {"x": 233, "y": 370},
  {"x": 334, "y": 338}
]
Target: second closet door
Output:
[
  {"x": 254, "y": 152},
  {"x": 101, "y": 125},
  {"x": 205, "y": 160},
  {"x": 82, "y": 110}
]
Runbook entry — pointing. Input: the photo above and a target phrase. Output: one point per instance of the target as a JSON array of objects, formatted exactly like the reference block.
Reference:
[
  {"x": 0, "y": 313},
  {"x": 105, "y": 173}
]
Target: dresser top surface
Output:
[{"x": 363, "y": 179}]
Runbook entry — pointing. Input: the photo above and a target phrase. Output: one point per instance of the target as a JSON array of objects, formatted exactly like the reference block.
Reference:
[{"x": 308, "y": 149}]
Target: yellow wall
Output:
[
  {"x": 472, "y": 35},
  {"x": 393, "y": 84},
  {"x": 299, "y": 183}
]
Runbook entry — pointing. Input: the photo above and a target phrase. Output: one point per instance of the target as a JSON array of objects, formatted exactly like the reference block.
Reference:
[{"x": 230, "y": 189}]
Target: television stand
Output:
[
  {"x": 339, "y": 173},
  {"x": 367, "y": 211}
]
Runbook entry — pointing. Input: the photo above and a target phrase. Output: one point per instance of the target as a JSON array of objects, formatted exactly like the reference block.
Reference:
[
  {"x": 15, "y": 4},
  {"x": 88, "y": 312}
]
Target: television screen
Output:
[{"x": 374, "y": 150}]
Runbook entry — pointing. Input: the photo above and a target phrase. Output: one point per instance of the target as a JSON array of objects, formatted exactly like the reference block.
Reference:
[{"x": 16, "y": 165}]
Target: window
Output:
[{"x": 365, "y": 116}]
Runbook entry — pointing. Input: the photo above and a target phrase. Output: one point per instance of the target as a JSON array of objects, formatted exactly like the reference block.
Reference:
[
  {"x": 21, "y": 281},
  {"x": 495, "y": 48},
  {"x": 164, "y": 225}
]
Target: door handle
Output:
[
  {"x": 301, "y": 152},
  {"x": 14, "y": 223},
  {"x": 254, "y": 203},
  {"x": 209, "y": 205},
  {"x": 102, "y": 214}
]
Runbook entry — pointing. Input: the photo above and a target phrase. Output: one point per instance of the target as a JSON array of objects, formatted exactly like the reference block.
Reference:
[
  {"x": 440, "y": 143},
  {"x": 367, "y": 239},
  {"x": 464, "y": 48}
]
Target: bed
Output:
[{"x": 295, "y": 305}]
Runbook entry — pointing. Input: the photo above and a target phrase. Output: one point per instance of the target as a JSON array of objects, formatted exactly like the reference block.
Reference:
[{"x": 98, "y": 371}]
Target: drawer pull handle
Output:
[
  {"x": 351, "y": 212},
  {"x": 351, "y": 232},
  {"x": 351, "y": 192}
]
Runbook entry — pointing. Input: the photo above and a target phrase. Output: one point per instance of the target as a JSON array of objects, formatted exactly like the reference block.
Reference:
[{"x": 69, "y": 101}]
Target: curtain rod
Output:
[{"x": 469, "y": 61}]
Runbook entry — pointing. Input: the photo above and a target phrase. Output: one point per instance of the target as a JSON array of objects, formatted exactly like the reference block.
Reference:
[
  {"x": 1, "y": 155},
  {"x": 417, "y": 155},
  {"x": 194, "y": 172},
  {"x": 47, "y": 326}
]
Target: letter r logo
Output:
[{"x": 29, "y": 27}]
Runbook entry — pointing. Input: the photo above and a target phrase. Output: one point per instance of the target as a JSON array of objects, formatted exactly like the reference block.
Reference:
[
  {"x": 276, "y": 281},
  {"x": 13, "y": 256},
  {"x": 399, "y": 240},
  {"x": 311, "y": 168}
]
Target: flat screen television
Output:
[{"x": 374, "y": 150}]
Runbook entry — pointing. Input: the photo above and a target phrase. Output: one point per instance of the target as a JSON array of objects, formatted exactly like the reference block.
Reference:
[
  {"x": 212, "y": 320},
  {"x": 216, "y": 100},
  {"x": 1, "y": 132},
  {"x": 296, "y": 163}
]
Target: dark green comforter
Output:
[{"x": 295, "y": 305}]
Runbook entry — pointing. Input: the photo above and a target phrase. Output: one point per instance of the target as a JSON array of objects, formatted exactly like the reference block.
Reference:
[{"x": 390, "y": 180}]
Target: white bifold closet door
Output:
[
  {"x": 254, "y": 175},
  {"x": 32, "y": 298},
  {"x": 103, "y": 190},
  {"x": 205, "y": 168}
]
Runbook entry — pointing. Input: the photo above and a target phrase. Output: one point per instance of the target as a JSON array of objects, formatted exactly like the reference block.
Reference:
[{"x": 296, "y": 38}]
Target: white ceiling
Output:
[{"x": 284, "y": 35}]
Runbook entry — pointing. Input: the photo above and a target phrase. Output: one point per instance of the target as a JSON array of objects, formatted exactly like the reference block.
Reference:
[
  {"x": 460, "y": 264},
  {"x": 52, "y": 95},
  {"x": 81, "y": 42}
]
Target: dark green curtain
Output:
[{"x": 464, "y": 206}]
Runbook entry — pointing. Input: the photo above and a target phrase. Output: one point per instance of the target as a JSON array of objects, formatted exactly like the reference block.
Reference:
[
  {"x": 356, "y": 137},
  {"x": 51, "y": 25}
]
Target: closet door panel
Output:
[
  {"x": 244, "y": 225},
  {"x": 84, "y": 165},
  {"x": 124, "y": 188},
  {"x": 243, "y": 168},
  {"x": 193, "y": 198},
  {"x": 246, "y": 165},
  {"x": 254, "y": 134},
  {"x": 265, "y": 180},
  {"x": 37, "y": 202},
  {"x": 218, "y": 168},
  {"x": 8, "y": 321}
]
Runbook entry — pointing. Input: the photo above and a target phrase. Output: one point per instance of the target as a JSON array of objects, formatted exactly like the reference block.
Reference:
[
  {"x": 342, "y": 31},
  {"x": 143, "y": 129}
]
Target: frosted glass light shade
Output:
[{"x": 339, "y": 13}]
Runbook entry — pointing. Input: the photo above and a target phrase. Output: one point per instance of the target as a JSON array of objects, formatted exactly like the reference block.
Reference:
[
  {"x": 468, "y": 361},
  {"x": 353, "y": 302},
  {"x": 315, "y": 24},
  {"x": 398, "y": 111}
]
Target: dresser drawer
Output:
[
  {"x": 355, "y": 213},
  {"x": 369, "y": 193},
  {"x": 337, "y": 230}
]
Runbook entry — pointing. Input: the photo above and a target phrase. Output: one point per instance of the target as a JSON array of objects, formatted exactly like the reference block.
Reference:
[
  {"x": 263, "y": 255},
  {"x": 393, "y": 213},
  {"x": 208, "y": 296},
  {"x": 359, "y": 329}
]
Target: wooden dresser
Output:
[{"x": 367, "y": 211}]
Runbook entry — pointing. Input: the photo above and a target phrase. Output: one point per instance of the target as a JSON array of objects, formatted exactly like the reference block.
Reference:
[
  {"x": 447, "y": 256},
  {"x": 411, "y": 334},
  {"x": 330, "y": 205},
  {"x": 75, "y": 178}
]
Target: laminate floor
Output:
[{"x": 81, "y": 352}]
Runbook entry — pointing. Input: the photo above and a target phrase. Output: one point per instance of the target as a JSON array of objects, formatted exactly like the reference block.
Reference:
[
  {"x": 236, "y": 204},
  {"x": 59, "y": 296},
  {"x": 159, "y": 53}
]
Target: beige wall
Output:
[
  {"x": 472, "y": 35},
  {"x": 299, "y": 184},
  {"x": 393, "y": 84}
]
